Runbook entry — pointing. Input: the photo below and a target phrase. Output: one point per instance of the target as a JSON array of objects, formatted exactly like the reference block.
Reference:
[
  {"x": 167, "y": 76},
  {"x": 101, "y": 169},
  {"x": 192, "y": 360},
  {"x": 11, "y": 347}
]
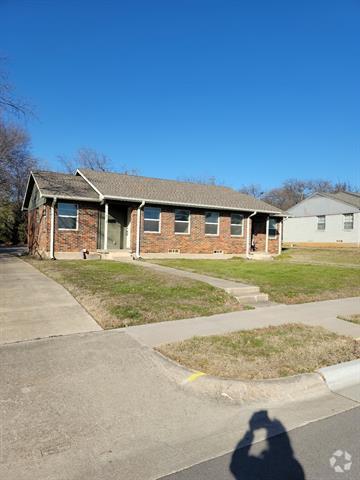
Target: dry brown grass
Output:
[
  {"x": 264, "y": 353},
  {"x": 351, "y": 318}
]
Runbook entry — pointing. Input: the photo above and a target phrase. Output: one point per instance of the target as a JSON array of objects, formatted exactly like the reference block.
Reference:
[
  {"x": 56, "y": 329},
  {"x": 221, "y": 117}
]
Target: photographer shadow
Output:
[{"x": 276, "y": 462}]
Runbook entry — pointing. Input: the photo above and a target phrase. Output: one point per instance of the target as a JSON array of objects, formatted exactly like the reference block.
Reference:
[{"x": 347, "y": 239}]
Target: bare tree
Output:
[
  {"x": 16, "y": 162},
  {"x": 9, "y": 102},
  {"x": 92, "y": 159},
  {"x": 293, "y": 191},
  {"x": 253, "y": 189}
]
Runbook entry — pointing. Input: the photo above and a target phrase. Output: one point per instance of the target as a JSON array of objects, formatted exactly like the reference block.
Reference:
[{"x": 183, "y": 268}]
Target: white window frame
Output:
[
  {"x": 69, "y": 216},
  {"x": 273, "y": 237},
  {"x": 212, "y": 223},
  {"x": 188, "y": 222},
  {"x": 152, "y": 220},
  {"x": 237, "y": 224},
  {"x": 351, "y": 215},
  {"x": 318, "y": 223}
]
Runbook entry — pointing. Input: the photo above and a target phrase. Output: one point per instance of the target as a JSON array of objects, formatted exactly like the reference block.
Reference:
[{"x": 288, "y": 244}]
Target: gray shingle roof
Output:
[
  {"x": 172, "y": 192},
  {"x": 63, "y": 185},
  {"x": 347, "y": 197}
]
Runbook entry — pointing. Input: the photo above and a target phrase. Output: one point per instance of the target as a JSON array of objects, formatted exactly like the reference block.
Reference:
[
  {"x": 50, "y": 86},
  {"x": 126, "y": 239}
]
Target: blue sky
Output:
[{"x": 246, "y": 91}]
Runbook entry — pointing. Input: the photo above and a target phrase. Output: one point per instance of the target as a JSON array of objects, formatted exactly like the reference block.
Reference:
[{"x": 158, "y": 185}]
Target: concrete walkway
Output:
[
  {"x": 245, "y": 293},
  {"x": 34, "y": 306},
  {"x": 317, "y": 314}
]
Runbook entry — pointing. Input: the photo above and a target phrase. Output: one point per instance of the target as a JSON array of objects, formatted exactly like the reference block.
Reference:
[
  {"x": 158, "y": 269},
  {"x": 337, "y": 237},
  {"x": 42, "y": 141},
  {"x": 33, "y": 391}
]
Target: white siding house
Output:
[{"x": 325, "y": 219}]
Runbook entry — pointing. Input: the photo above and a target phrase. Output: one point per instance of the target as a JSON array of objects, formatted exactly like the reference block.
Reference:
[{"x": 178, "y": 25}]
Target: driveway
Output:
[{"x": 34, "y": 306}]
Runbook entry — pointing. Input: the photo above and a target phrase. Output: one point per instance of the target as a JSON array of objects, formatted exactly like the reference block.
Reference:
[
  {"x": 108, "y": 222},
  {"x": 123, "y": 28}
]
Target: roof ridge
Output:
[{"x": 189, "y": 182}]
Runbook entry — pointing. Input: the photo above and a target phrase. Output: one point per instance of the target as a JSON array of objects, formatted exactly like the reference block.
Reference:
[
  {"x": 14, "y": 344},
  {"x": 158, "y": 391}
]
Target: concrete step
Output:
[
  {"x": 113, "y": 255},
  {"x": 241, "y": 291},
  {"x": 261, "y": 256},
  {"x": 252, "y": 299}
]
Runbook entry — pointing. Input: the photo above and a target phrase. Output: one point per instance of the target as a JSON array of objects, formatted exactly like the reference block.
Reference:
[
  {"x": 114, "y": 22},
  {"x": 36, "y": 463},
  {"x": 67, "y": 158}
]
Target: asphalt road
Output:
[{"x": 303, "y": 453}]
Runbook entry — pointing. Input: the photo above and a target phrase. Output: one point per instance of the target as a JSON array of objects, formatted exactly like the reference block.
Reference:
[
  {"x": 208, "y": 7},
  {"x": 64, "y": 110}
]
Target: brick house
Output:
[{"x": 111, "y": 212}]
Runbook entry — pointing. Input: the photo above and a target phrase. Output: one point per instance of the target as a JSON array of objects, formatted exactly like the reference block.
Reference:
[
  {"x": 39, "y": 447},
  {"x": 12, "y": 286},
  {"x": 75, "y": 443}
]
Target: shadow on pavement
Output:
[{"x": 276, "y": 462}]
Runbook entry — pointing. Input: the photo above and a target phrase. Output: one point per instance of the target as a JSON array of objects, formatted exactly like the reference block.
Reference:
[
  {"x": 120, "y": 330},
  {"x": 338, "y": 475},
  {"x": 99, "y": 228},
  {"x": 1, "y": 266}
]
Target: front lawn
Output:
[
  {"x": 284, "y": 282},
  {"x": 121, "y": 294},
  {"x": 263, "y": 353},
  {"x": 330, "y": 256}
]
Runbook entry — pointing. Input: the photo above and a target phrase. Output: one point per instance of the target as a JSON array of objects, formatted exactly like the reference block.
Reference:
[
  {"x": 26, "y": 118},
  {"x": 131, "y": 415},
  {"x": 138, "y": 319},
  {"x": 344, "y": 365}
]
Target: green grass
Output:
[
  {"x": 263, "y": 353},
  {"x": 285, "y": 282},
  {"x": 120, "y": 294},
  {"x": 331, "y": 256}
]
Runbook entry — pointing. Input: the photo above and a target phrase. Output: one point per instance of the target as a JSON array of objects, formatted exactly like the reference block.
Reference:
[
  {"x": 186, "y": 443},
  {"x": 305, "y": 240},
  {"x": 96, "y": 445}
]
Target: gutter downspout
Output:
[
  {"x": 52, "y": 228},
  {"x": 248, "y": 234},
  {"x": 138, "y": 218}
]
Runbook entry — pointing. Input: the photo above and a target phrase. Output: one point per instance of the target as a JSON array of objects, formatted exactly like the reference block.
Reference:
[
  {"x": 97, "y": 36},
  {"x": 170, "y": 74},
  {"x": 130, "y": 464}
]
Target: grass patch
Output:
[
  {"x": 264, "y": 353},
  {"x": 122, "y": 294},
  {"x": 328, "y": 256},
  {"x": 351, "y": 318},
  {"x": 284, "y": 282}
]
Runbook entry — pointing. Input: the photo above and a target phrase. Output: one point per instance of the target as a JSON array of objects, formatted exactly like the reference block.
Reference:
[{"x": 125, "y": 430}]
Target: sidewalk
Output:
[{"x": 315, "y": 314}]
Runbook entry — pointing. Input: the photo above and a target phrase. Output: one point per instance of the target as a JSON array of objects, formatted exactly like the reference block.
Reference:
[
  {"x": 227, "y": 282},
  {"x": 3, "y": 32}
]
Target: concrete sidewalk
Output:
[
  {"x": 34, "y": 306},
  {"x": 317, "y": 314}
]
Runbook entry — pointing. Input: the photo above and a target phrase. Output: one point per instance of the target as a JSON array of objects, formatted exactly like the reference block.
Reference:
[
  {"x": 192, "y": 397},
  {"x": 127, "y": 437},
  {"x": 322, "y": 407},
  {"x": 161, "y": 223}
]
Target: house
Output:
[
  {"x": 110, "y": 212},
  {"x": 325, "y": 219}
]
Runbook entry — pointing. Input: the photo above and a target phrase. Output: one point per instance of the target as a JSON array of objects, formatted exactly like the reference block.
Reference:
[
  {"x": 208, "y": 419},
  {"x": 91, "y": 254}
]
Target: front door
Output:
[
  {"x": 117, "y": 228},
  {"x": 258, "y": 234}
]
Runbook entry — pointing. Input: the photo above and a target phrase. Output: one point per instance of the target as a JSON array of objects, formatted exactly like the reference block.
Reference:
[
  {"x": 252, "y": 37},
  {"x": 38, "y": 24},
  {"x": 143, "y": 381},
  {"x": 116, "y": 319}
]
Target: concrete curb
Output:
[
  {"x": 297, "y": 387},
  {"x": 342, "y": 375}
]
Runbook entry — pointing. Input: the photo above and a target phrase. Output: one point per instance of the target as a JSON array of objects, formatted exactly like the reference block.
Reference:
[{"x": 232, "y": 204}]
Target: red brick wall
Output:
[
  {"x": 196, "y": 241},
  {"x": 38, "y": 229},
  {"x": 86, "y": 234}
]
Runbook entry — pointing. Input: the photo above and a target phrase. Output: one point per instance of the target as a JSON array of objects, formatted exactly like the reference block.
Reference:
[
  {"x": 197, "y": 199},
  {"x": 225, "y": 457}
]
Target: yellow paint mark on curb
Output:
[{"x": 193, "y": 377}]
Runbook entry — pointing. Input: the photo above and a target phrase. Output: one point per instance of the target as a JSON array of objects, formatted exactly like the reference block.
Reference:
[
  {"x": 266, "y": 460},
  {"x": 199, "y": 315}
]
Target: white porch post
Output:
[
  {"x": 280, "y": 235},
  {"x": 267, "y": 235},
  {"x": 106, "y": 221},
  {"x": 52, "y": 228},
  {"x": 248, "y": 233}
]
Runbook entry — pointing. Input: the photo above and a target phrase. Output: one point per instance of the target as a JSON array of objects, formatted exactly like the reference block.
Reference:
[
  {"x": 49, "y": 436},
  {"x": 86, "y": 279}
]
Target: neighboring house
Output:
[
  {"x": 325, "y": 219},
  {"x": 102, "y": 212}
]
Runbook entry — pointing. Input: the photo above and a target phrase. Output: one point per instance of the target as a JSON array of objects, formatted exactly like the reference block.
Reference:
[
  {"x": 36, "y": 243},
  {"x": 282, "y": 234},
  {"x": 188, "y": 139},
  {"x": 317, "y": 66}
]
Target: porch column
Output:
[
  {"x": 106, "y": 221},
  {"x": 267, "y": 235},
  {"x": 280, "y": 235},
  {"x": 52, "y": 229}
]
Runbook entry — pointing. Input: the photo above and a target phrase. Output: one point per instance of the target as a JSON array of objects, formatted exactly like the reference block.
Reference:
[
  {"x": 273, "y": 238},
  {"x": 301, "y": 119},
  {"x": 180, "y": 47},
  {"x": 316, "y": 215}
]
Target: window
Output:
[
  {"x": 236, "y": 226},
  {"x": 272, "y": 227},
  {"x": 211, "y": 223},
  {"x": 152, "y": 219},
  {"x": 182, "y": 221},
  {"x": 348, "y": 221},
  {"x": 321, "y": 222},
  {"x": 67, "y": 216}
]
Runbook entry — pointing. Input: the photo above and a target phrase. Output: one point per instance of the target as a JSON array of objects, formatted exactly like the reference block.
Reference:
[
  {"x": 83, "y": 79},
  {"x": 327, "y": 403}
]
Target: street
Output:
[{"x": 303, "y": 453}]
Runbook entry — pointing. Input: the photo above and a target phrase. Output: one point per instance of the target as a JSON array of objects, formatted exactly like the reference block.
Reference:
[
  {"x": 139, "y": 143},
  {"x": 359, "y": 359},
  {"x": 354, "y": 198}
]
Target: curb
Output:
[
  {"x": 303, "y": 386},
  {"x": 342, "y": 375}
]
